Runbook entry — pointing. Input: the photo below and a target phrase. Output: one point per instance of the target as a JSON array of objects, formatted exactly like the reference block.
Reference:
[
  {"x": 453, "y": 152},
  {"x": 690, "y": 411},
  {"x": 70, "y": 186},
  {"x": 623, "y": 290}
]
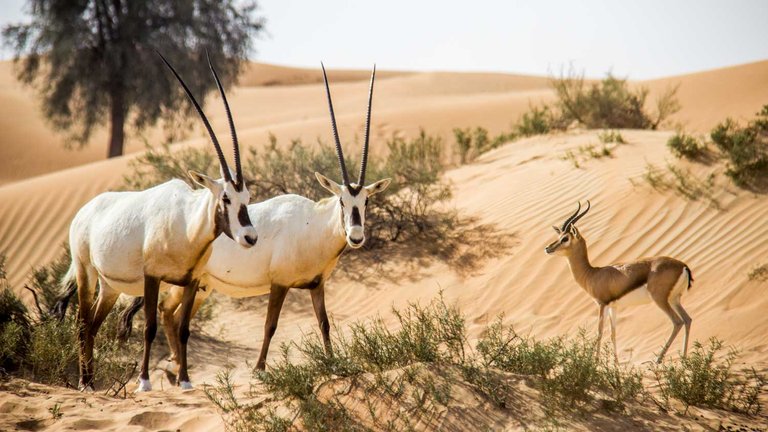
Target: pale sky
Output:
[{"x": 631, "y": 38}]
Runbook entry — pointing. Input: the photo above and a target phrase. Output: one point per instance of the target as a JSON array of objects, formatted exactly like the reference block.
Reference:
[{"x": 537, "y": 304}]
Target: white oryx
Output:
[
  {"x": 300, "y": 242},
  {"x": 130, "y": 242},
  {"x": 660, "y": 279}
]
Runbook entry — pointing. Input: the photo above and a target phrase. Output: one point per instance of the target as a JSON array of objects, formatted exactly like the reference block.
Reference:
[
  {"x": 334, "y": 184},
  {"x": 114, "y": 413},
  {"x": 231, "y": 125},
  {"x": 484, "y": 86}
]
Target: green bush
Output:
[
  {"x": 705, "y": 377},
  {"x": 686, "y": 146},
  {"x": 537, "y": 121},
  {"x": 471, "y": 143},
  {"x": 746, "y": 149},
  {"x": 501, "y": 347},
  {"x": 44, "y": 349},
  {"x": 610, "y": 103}
]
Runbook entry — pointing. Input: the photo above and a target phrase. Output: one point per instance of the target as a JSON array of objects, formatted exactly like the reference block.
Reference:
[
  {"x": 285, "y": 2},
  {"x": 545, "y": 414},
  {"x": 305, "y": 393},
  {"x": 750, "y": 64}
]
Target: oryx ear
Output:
[
  {"x": 377, "y": 187},
  {"x": 557, "y": 230},
  {"x": 328, "y": 184},
  {"x": 204, "y": 181}
]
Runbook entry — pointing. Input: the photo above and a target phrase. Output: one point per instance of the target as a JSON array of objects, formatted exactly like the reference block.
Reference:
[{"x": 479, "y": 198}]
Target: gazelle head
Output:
[
  {"x": 231, "y": 195},
  {"x": 353, "y": 197},
  {"x": 568, "y": 237}
]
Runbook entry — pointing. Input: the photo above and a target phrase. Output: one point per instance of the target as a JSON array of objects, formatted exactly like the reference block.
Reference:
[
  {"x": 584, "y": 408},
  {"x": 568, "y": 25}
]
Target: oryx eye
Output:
[{"x": 225, "y": 200}]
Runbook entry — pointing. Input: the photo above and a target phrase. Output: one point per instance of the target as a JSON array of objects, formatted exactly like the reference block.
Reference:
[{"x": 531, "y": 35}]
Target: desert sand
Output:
[{"x": 521, "y": 188}]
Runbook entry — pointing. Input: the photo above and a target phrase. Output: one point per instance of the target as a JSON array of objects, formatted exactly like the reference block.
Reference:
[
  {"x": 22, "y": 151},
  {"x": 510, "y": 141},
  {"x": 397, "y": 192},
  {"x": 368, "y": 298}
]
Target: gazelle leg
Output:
[
  {"x": 151, "y": 291},
  {"x": 187, "y": 301},
  {"x": 612, "y": 316},
  {"x": 600, "y": 317},
  {"x": 318, "y": 302},
  {"x": 677, "y": 322},
  {"x": 86, "y": 285},
  {"x": 687, "y": 320},
  {"x": 276, "y": 299}
]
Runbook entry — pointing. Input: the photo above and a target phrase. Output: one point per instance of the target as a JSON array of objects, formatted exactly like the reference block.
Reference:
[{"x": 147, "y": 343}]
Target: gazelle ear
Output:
[
  {"x": 328, "y": 184},
  {"x": 377, "y": 187},
  {"x": 557, "y": 230},
  {"x": 575, "y": 231}
]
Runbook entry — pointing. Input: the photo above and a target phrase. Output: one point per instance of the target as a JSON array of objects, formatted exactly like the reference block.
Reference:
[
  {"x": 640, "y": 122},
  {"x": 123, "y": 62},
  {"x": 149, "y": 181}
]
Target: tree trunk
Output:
[{"x": 117, "y": 122}]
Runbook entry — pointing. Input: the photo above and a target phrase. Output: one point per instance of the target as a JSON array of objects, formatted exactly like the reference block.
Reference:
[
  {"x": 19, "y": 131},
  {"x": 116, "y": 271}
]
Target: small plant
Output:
[
  {"x": 611, "y": 136},
  {"x": 682, "y": 182},
  {"x": 585, "y": 153},
  {"x": 686, "y": 146},
  {"x": 536, "y": 121},
  {"x": 55, "y": 411},
  {"x": 706, "y": 378},
  {"x": 746, "y": 149},
  {"x": 502, "y": 348},
  {"x": 471, "y": 143},
  {"x": 759, "y": 273}
]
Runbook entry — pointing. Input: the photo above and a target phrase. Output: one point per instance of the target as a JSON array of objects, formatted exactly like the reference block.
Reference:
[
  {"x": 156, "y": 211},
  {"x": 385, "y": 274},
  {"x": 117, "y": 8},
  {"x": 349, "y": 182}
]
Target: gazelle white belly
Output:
[{"x": 636, "y": 297}]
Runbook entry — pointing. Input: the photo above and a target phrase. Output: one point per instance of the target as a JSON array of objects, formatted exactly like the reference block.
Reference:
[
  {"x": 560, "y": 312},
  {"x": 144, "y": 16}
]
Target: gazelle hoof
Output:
[
  {"x": 144, "y": 386},
  {"x": 185, "y": 385}
]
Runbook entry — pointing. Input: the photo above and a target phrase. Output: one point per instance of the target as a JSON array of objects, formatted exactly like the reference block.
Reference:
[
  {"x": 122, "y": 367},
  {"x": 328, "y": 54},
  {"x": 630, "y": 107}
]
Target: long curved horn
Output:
[
  {"x": 222, "y": 160},
  {"x": 570, "y": 218},
  {"x": 235, "y": 144},
  {"x": 339, "y": 152},
  {"x": 364, "y": 162},
  {"x": 581, "y": 215}
]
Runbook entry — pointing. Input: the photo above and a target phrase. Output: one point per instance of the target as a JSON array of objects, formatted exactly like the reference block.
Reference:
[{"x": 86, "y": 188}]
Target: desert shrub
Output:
[
  {"x": 758, "y": 273},
  {"x": 501, "y": 347},
  {"x": 686, "y": 146},
  {"x": 683, "y": 182},
  {"x": 471, "y": 143},
  {"x": 746, "y": 149},
  {"x": 611, "y": 136},
  {"x": 706, "y": 378},
  {"x": 537, "y": 121},
  {"x": 44, "y": 349},
  {"x": 408, "y": 209},
  {"x": 609, "y": 103}
]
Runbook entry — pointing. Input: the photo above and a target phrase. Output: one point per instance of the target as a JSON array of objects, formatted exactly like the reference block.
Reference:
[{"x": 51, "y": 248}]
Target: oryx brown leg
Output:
[
  {"x": 318, "y": 302},
  {"x": 151, "y": 291},
  {"x": 168, "y": 308},
  {"x": 187, "y": 301},
  {"x": 86, "y": 284},
  {"x": 600, "y": 319},
  {"x": 677, "y": 322},
  {"x": 276, "y": 299}
]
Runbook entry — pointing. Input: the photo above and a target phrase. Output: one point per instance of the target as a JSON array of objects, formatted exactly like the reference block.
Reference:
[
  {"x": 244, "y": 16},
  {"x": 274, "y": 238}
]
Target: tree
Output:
[{"x": 94, "y": 61}]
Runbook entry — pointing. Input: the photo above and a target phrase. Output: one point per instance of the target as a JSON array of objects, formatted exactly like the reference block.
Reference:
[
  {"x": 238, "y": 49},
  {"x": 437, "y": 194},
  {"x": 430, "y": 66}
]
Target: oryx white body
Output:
[
  {"x": 130, "y": 242},
  {"x": 300, "y": 240},
  {"x": 660, "y": 280}
]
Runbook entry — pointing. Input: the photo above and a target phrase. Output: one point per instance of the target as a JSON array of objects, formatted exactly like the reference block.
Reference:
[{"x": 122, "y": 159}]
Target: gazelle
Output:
[
  {"x": 130, "y": 242},
  {"x": 662, "y": 280},
  {"x": 300, "y": 243}
]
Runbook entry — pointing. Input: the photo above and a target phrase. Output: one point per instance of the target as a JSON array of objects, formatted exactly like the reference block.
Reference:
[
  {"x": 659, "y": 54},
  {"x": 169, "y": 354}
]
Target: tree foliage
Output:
[{"x": 94, "y": 61}]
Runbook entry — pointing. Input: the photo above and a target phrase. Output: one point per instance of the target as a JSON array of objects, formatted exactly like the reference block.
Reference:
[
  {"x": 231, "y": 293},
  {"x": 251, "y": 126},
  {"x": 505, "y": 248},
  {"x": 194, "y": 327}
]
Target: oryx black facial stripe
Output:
[
  {"x": 221, "y": 222},
  {"x": 356, "y": 216},
  {"x": 242, "y": 216},
  {"x": 355, "y": 190}
]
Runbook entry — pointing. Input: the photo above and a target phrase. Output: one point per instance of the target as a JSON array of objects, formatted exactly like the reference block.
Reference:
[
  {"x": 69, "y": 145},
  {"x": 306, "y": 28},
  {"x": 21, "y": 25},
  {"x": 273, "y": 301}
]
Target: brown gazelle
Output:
[{"x": 661, "y": 280}]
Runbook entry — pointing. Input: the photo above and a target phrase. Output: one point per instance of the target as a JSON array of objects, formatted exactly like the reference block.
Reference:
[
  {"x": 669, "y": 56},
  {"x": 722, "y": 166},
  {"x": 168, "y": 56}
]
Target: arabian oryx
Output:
[
  {"x": 300, "y": 244},
  {"x": 661, "y": 280},
  {"x": 130, "y": 242}
]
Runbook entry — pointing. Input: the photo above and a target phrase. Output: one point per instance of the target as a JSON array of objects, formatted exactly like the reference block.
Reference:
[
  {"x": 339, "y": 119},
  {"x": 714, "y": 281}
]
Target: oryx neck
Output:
[{"x": 202, "y": 216}]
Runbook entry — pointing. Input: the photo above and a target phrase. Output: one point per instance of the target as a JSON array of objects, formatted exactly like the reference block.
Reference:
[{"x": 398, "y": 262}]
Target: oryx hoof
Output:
[
  {"x": 144, "y": 386},
  {"x": 185, "y": 385},
  {"x": 86, "y": 388}
]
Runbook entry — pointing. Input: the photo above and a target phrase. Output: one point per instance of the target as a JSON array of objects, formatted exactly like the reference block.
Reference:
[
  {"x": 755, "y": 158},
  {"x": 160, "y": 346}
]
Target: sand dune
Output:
[{"x": 522, "y": 188}]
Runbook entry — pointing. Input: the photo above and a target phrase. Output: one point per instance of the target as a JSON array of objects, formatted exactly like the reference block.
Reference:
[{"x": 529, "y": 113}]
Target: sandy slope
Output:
[{"x": 521, "y": 188}]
